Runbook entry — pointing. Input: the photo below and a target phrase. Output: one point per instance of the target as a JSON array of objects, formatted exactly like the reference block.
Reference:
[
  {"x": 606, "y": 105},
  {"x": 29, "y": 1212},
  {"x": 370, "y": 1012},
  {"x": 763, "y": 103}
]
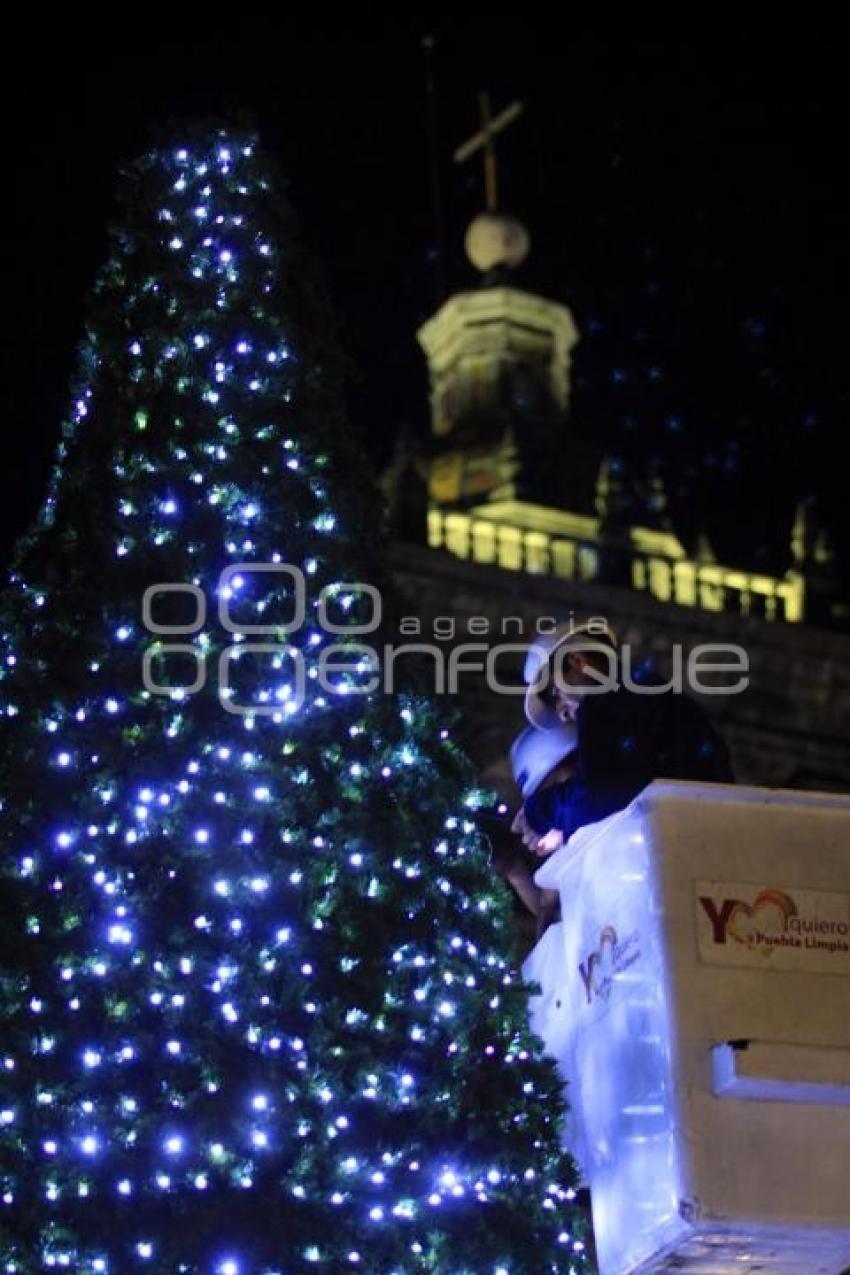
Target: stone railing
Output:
[{"x": 706, "y": 585}]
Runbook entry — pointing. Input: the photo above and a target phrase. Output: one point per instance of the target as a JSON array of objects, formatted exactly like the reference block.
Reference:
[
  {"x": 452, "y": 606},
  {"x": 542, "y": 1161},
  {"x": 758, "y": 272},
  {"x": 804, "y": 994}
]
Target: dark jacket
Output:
[{"x": 625, "y": 740}]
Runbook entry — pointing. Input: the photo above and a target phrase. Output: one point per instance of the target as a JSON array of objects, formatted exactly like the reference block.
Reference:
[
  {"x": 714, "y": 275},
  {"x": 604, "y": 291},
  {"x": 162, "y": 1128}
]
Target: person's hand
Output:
[
  {"x": 552, "y": 841},
  {"x": 526, "y": 834}
]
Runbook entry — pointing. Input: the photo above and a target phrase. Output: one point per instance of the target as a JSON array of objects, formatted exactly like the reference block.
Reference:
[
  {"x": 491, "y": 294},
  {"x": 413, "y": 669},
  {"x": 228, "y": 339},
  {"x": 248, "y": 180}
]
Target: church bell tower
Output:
[{"x": 499, "y": 365}]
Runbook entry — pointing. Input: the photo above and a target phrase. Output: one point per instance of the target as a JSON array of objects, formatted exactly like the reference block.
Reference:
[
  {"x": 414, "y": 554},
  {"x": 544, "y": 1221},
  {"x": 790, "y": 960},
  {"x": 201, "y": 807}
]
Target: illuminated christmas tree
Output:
[{"x": 257, "y": 1014}]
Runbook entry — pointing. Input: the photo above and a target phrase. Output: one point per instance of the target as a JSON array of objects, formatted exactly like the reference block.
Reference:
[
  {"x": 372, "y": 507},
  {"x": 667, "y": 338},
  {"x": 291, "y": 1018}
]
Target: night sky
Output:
[{"x": 684, "y": 189}]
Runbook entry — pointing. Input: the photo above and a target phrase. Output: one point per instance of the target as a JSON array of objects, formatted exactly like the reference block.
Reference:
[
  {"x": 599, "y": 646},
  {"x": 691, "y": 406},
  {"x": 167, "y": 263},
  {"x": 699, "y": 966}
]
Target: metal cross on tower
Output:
[{"x": 485, "y": 140}]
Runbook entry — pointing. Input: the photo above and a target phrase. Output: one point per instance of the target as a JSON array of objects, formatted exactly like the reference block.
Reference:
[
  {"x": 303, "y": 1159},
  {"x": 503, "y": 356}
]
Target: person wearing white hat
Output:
[
  {"x": 536, "y": 755},
  {"x": 627, "y": 735},
  {"x": 558, "y": 663},
  {"x": 539, "y": 759}
]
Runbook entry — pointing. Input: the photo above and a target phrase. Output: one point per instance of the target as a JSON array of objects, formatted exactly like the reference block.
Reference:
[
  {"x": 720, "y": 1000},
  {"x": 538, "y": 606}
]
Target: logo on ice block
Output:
[
  {"x": 781, "y": 927},
  {"x": 611, "y": 956}
]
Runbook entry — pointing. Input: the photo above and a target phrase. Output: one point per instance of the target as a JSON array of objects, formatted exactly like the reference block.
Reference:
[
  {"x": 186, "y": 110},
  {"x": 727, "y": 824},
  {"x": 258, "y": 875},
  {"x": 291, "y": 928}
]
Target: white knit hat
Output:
[
  {"x": 566, "y": 637},
  {"x": 536, "y": 753}
]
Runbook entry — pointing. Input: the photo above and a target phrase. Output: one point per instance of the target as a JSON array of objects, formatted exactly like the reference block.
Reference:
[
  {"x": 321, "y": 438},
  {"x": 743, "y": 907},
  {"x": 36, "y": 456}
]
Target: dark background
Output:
[{"x": 684, "y": 187}]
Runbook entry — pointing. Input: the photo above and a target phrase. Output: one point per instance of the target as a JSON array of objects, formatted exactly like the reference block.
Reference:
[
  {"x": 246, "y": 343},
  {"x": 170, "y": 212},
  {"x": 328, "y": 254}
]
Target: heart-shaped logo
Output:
[{"x": 768, "y": 917}]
